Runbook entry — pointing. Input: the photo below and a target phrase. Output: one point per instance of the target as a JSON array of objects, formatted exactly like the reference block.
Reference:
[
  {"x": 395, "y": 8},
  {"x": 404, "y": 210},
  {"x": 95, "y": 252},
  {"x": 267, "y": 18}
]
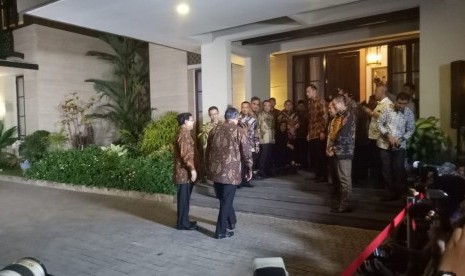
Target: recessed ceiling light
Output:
[{"x": 182, "y": 9}]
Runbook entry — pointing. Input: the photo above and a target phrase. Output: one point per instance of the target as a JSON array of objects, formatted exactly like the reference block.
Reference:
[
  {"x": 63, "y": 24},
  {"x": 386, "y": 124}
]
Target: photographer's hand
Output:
[{"x": 454, "y": 255}]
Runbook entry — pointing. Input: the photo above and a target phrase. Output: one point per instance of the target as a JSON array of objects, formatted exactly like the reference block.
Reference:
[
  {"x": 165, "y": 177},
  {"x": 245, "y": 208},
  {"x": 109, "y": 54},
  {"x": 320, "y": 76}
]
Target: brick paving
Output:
[{"x": 75, "y": 233}]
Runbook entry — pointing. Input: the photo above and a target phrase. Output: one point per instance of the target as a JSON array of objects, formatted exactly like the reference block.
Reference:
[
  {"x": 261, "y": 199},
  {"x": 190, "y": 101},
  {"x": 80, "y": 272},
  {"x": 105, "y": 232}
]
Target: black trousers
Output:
[
  {"x": 184, "y": 192},
  {"x": 394, "y": 173},
  {"x": 375, "y": 164},
  {"x": 226, "y": 215},
  {"x": 266, "y": 156},
  {"x": 318, "y": 157},
  {"x": 300, "y": 151}
]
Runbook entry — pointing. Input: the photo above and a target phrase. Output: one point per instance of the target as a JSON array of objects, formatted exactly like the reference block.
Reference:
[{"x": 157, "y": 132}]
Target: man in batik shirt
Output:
[
  {"x": 249, "y": 123},
  {"x": 266, "y": 126},
  {"x": 396, "y": 125},
  {"x": 185, "y": 169},
  {"x": 318, "y": 117},
  {"x": 227, "y": 149}
]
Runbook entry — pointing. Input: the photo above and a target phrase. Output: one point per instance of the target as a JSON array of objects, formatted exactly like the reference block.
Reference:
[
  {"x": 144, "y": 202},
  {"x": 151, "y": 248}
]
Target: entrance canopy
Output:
[{"x": 157, "y": 21}]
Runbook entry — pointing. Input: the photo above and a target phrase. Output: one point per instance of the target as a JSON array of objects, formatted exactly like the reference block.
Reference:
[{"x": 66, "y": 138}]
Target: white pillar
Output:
[
  {"x": 257, "y": 75},
  {"x": 216, "y": 76}
]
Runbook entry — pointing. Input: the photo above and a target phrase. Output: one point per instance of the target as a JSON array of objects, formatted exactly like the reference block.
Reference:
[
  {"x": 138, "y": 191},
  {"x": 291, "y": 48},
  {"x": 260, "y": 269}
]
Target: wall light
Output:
[
  {"x": 374, "y": 55},
  {"x": 182, "y": 9}
]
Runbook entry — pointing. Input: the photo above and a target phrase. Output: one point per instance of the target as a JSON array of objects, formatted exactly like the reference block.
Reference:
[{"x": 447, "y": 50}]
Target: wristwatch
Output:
[{"x": 445, "y": 273}]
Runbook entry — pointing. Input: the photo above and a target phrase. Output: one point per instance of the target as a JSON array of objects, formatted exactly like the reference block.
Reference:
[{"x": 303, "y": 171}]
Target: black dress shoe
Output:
[
  {"x": 224, "y": 236},
  {"x": 193, "y": 222},
  {"x": 192, "y": 226},
  {"x": 257, "y": 177},
  {"x": 231, "y": 227}
]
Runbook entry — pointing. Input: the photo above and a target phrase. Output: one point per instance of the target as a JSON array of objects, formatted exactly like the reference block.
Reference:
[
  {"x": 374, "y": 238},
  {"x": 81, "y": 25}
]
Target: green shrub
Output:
[
  {"x": 428, "y": 141},
  {"x": 35, "y": 146},
  {"x": 160, "y": 133},
  {"x": 94, "y": 167}
]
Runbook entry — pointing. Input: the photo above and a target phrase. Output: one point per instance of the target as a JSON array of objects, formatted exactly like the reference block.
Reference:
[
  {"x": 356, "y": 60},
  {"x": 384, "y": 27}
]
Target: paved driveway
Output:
[{"x": 76, "y": 234}]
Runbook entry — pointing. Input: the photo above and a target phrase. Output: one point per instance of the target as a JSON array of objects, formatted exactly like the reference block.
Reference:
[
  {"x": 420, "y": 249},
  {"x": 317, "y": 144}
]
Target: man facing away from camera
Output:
[{"x": 227, "y": 148}]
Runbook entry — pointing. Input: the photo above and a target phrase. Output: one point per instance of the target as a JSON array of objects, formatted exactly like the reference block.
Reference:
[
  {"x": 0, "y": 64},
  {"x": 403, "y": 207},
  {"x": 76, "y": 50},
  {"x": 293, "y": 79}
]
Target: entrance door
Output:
[{"x": 343, "y": 71}]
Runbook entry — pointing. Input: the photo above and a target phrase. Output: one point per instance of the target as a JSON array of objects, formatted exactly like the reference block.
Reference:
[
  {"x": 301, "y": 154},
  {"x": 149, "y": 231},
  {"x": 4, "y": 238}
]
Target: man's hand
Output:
[
  {"x": 248, "y": 176},
  {"x": 393, "y": 141},
  {"x": 308, "y": 137},
  {"x": 322, "y": 136},
  {"x": 452, "y": 259},
  {"x": 193, "y": 175}
]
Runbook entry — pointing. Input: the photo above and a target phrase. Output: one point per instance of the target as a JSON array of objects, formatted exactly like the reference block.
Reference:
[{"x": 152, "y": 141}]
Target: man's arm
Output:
[
  {"x": 410, "y": 125},
  {"x": 382, "y": 122},
  {"x": 187, "y": 151}
]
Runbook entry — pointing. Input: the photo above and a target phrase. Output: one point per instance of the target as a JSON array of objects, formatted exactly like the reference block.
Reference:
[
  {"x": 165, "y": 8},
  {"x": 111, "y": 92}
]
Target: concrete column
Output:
[
  {"x": 257, "y": 75},
  {"x": 216, "y": 76},
  {"x": 441, "y": 23}
]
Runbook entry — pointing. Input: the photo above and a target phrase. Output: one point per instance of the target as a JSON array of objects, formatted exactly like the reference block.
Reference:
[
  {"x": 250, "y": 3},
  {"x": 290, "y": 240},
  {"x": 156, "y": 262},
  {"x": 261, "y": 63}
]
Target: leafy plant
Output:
[
  {"x": 7, "y": 137},
  {"x": 427, "y": 142},
  {"x": 160, "y": 133},
  {"x": 56, "y": 140},
  {"x": 117, "y": 149},
  {"x": 35, "y": 145},
  {"x": 128, "y": 92},
  {"x": 75, "y": 118},
  {"x": 94, "y": 167}
]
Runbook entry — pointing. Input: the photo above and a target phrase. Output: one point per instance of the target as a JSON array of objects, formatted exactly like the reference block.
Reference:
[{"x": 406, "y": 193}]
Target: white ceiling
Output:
[{"x": 156, "y": 21}]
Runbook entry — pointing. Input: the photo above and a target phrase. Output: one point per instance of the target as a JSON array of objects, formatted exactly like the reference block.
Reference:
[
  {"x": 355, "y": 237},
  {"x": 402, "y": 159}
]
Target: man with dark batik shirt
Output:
[
  {"x": 227, "y": 149},
  {"x": 185, "y": 172},
  {"x": 340, "y": 150}
]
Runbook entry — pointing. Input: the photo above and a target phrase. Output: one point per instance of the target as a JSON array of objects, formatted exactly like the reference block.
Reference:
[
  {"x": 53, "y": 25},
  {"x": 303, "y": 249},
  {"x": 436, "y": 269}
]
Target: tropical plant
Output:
[
  {"x": 7, "y": 137},
  {"x": 427, "y": 142},
  {"x": 160, "y": 133},
  {"x": 127, "y": 94},
  {"x": 35, "y": 146},
  {"x": 56, "y": 140},
  {"x": 117, "y": 149},
  {"x": 75, "y": 118}
]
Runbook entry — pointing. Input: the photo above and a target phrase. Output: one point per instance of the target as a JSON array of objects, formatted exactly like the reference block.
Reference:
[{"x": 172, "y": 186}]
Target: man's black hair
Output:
[
  {"x": 403, "y": 96},
  {"x": 212, "y": 108},
  {"x": 183, "y": 117}
]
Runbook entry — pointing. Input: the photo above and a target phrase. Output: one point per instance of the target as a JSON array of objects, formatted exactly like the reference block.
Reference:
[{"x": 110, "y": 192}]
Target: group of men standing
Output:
[{"x": 241, "y": 147}]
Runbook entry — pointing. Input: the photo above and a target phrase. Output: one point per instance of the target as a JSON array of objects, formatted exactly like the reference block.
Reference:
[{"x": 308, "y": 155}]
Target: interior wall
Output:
[
  {"x": 441, "y": 42},
  {"x": 279, "y": 79},
  {"x": 369, "y": 85},
  {"x": 237, "y": 85},
  {"x": 363, "y": 76}
]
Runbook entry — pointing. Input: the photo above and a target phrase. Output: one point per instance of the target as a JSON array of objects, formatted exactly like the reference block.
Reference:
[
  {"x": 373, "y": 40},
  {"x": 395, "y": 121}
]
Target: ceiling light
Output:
[{"x": 182, "y": 9}]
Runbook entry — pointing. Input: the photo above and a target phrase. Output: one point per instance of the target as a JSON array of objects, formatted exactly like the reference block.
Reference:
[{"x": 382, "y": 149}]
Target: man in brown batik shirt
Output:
[
  {"x": 227, "y": 148},
  {"x": 185, "y": 172}
]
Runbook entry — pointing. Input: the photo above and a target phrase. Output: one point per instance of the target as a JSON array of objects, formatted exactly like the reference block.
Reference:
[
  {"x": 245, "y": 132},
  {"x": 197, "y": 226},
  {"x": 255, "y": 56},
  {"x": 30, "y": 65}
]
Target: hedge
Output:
[{"x": 94, "y": 167}]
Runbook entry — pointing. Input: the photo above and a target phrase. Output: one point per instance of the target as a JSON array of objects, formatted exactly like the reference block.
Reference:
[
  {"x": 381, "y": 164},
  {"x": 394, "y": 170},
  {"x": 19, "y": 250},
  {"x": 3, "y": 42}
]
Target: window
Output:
[
  {"x": 307, "y": 69},
  {"x": 20, "y": 100},
  {"x": 404, "y": 65}
]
